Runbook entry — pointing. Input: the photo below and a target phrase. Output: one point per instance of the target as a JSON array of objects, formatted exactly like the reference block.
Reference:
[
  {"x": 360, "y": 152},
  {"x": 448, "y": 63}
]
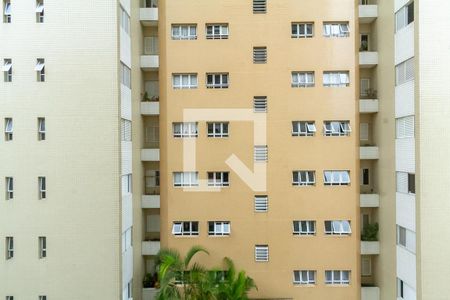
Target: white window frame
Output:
[
  {"x": 217, "y": 80},
  {"x": 40, "y": 69},
  {"x": 404, "y": 72},
  {"x": 402, "y": 17},
  {"x": 7, "y": 12},
  {"x": 126, "y": 130},
  {"x": 217, "y": 179},
  {"x": 222, "y": 34},
  {"x": 218, "y": 129},
  {"x": 9, "y": 129},
  {"x": 405, "y": 127},
  {"x": 125, "y": 23},
  {"x": 302, "y": 79},
  {"x": 9, "y": 247},
  {"x": 339, "y": 29},
  {"x": 298, "y": 277},
  {"x": 303, "y": 128},
  {"x": 40, "y": 11},
  {"x": 336, "y": 177},
  {"x": 261, "y": 203},
  {"x": 261, "y": 253},
  {"x": 336, "y": 78},
  {"x": 7, "y": 70},
  {"x": 336, "y": 128},
  {"x": 184, "y": 81},
  {"x": 309, "y": 224},
  {"x": 41, "y": 129},
  {"x": 304, "y": 178},
  {"x": 337, "y": 277},
  {"x": 42, "y": 247},
  {"x": 184, "y": 31},
  {"x": 9, "y": 188},
  {"x": 178, "y": 228},
  {"x": 220, "y": 228},
  {"x": 296, "y": 28},
  {"x": 42, "y": 184},
  {"x": 338, "y": 227},
  {"x": 185, "y": 129},
  {"x": 187, "y": 179},
  {"x": 125, "y": 75}
]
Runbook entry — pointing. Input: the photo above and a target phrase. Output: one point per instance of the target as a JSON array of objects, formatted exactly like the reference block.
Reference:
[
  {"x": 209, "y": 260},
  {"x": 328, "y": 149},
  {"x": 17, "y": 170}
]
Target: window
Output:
[
  {"x": 304, "y": 277},
  {"x": 125, "y": 75},
  {"x": 185, "y": 130},
  {"x": 218, "y": 179},
  {"x": 403, "y": 289},
  {"x": 127, "y": 239},
  {"x": 363, "y": 131},
  {"x": 259, "y": 6},
  {"x": 150, "y": 3},
  {"x": 404, "y": 127},
  {"x": 259, "y": 55},
  {"x": 42, "y": 297},
  {"x": 217, "y": 31},
  {"x": 336, "y": 128},
  {"x": 336, "y": 79},
  {"x": 365, "y": 177},
  {"x": 261, "y": 203},
  {"x": 302, "y": 30},
  {"x": 336, "y": 29},
  {"x": 303, "y": 128},
  {"x": 218, "y": 129},
  {"x": 40, "y": 69},
  {"x": 304, "y": 227},
  {"x": 41, "y": 129},
  {"x": 260, "y": 104},
  {"x": 7, "y": 70},
  {"x": 130, "y": 289},
  {"x": 337, "y": 228},
  {"x": 404, "y": 71},
  {"x": 9, "y": 188},
  {"x": 185, "y": 179},
  {"x": 366, "y": 266},
  {"x": 301, "y": 178},
  {"x": 406, "y": 238},
  {"x": 406, "y": 183},
  {"x": 336, "y": 177},
  {"x": 262, "y": 253},
  {"x": 260, "y": 153},
  {"x": 125, "y": 130},
  {"x": 8, "y": 129},
  {"x": 127, "y": 184},
  {"x": 7, "y": 11},
  {"x": 124, "y": 20},
  {"x": 184, "y": 32},
  {"x": 337, "y": 277},
  {"x": 363, "y": 42},
  {"x": 184, "y": 81},
  {"x": 404, "y": 16},
  {"x": 185, "y": 228},
  {"x": 9, "y": 247},
  {"x": 302, "y": 79},
  {"x": 42, "y": 182},
  {"x": 364, "y": 87},
  {"x": 42, "y": 247},
  {"x": 40, "y": 11},
  {"x": 9, "y": 297},
  {"x": 217, "y": 80},
  {"x": 219, "y": 228}
]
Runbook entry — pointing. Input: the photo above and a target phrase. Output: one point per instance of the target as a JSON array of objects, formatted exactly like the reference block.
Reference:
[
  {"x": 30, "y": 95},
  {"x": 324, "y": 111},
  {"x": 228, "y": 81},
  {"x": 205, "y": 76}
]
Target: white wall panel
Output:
[
  {"x": 125, "y": 48},
  {"x": 404, "y": 43},
  {"x": 126, "y": 158},
  {"x": 406, "y": 266},
  {"x": 127, "y": 211},
  {"x": 404, "y": 99},
  {"x": 125, "y": 102},
  {"x": 406, "y": 210},
  {"x": 405, "y": 155},
  {"x": 127, "y": 267}
]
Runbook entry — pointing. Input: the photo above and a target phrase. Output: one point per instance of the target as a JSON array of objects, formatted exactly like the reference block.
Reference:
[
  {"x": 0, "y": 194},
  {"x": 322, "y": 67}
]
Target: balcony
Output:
[
  {"x": 149, "y": 62},
  {"x": 369, "y": 200},
  {"x": 150, "y": 201},
  {"x": 370, "y": 248},
  {"x": 368, "y": 59},
  {"x": 150, "y": 108},
  {"x": 368, "y": 106},
  {"x": 368, "y": 152},
  {"x": 149, "y": 13},
  {"x": 150, "y": 247},
  {"x": 150, "y": 155},
  {"x": 367, "y": 12},
  {"x": 370, "y": 293},
  {"x": 149, "y": 293}
]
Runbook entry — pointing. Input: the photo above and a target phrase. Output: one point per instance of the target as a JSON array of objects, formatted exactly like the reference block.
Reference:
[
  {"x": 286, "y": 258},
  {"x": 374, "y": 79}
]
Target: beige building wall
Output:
[{"x": 80, "y": 157}]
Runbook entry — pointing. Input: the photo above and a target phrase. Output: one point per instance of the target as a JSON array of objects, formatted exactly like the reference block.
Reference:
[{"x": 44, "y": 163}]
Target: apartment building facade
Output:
[{"x": 228, "y": 124}]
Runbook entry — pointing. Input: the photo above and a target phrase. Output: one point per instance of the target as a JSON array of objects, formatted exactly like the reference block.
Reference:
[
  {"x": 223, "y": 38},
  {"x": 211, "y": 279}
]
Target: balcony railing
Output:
[
  {"x": 368, "y": 2},
  {"x": 151, "y": 45}
]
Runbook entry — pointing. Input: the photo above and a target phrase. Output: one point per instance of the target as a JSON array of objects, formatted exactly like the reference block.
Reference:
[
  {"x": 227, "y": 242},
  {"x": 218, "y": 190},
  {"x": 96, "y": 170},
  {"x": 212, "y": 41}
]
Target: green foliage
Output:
[
  {"x": 370, "y": 232},
  {"x": 181, "y": 279}
]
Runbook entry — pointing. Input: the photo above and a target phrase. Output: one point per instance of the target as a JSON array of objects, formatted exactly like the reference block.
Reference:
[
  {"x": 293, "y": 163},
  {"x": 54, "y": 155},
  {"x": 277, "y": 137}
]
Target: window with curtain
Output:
[
  {"x": 336, "y": 177},
  {"x": 336, "y": 79},
  {"x": 184, "y": 31},
  {"x": 336, "y": 29},
  {"x": 302, "y": 79}
]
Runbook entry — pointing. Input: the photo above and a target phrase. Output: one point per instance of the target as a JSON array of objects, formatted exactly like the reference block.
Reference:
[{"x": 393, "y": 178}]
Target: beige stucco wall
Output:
[{"x": 80, "y": 156}]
